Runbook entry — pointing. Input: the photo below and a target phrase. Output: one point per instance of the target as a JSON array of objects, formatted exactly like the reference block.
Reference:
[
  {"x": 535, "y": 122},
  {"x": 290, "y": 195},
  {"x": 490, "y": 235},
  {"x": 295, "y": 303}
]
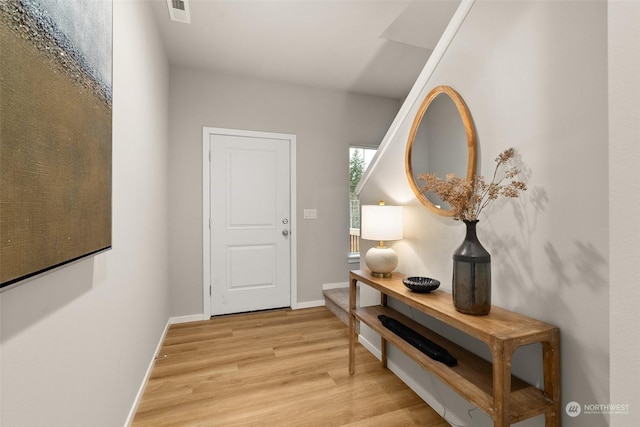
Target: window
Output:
[{"x": 359, "y": 159}]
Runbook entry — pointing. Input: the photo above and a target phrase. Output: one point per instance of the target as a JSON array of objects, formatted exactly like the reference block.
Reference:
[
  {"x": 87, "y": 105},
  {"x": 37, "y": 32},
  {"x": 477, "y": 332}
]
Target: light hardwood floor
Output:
[{"x": 275, "y": 368}]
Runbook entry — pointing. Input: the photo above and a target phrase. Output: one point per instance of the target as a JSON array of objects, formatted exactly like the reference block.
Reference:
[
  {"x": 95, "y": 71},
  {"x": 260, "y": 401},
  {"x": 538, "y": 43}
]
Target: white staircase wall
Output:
[{"x": 534, "y": 75}]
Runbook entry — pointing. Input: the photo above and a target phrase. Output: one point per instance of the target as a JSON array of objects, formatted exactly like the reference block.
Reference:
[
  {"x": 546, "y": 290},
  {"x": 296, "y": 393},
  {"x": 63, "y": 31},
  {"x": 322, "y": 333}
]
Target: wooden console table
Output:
[{"x": 489, "y": 386}]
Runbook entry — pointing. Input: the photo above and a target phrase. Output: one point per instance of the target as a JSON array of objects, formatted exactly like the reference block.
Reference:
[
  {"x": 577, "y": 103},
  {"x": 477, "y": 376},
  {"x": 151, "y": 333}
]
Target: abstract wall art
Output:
[{"x": 55, "y": 134}]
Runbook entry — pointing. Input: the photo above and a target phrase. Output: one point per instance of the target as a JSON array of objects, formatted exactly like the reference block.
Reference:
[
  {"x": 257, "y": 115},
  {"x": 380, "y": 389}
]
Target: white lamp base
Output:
[{"x": 381, "y": 261}]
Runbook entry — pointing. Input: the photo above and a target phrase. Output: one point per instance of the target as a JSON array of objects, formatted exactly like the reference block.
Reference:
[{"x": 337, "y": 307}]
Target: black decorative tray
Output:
[{"x": 421, "y": 284}]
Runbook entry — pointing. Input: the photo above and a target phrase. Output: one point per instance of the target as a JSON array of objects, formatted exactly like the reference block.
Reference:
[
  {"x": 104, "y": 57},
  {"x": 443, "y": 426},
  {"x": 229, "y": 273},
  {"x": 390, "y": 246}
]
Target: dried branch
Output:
[{"x": 468, "y": 199}]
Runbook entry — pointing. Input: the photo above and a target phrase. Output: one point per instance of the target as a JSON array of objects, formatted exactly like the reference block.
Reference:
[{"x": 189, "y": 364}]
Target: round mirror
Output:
[{"x": 442, "y": 141}]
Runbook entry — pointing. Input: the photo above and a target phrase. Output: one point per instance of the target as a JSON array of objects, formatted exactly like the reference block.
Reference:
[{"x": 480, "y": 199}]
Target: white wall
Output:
[
  {"x": 624, "y": 205},
  {"x": 76, "y": 342},
  {"x": 325, "y": 123},
  {"x": 534, "y": 75}
]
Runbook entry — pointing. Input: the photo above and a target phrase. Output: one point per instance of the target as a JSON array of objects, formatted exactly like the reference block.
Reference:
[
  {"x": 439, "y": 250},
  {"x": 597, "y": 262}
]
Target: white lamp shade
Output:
[{"x": 381, "y": 222}]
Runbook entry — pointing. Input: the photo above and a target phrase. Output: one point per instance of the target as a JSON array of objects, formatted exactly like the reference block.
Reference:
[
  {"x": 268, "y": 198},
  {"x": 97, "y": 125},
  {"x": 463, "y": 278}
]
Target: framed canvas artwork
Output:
[{"x": 55, "y": 134}]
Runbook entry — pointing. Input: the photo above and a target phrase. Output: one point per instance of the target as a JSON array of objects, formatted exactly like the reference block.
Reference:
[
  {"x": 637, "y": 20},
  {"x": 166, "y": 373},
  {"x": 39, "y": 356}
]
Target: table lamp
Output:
[{"x": 381, "y": 222}]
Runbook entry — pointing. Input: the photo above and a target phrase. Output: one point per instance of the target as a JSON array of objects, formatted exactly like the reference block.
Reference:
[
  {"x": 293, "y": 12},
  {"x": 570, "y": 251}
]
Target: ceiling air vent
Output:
[{"x": 179, "y": 10}]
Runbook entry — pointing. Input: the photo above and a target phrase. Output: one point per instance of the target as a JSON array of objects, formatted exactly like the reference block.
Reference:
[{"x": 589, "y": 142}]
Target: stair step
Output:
[{"x": 337, "y": 301}]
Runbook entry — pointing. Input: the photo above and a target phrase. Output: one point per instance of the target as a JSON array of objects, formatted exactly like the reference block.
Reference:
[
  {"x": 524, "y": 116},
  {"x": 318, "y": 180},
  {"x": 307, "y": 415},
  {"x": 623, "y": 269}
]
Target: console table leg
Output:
[
  {"x": 352, "y": 326},
  {"x": 383, "y": 352},
  {"x": 551, "y": 366},
  {"x": 383, "y": 342},
  {"x": 501, "y": 383}
]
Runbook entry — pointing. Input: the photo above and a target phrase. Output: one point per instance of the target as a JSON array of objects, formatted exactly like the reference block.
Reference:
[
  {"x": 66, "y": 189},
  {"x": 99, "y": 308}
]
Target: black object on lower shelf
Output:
[{"x": 423, "y": 344}]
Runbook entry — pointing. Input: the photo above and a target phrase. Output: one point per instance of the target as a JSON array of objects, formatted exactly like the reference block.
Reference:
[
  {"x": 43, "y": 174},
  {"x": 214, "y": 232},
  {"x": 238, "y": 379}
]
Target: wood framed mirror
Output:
[{"x": 442, "y": 140}]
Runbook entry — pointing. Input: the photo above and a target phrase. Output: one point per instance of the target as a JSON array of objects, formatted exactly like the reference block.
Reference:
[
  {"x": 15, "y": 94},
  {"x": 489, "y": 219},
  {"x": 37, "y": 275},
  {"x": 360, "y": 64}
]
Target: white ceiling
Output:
[{"x": 375, "y": 47}]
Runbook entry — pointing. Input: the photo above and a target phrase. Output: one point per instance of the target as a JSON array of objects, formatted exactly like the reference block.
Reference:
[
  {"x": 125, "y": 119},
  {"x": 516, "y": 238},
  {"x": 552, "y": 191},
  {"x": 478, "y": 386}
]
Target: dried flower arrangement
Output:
[{"x": 467, "y": 199}]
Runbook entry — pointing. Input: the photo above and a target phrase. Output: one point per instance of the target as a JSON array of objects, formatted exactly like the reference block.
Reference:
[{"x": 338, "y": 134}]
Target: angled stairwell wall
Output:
[{"x": 534, "y": 76}]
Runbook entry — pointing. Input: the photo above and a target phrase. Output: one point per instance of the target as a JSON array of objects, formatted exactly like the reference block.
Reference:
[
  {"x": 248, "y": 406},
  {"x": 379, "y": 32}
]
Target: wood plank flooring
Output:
[{"x": 275, "y": 368}]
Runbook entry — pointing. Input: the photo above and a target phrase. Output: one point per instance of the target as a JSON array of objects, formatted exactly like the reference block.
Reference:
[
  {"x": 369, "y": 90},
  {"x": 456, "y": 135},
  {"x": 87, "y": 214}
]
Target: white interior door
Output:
[{"x": 251, "y": 221}]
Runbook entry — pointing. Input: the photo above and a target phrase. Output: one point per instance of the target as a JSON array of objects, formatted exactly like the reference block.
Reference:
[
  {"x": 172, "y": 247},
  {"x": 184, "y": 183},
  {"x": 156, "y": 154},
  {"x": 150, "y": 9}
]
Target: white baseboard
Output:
[
  {"x": 425, "y": 394},
  {"x": 307, "y": 304},
  {"x": 136, "y": 401},
  {"x": 327, "y": 286},
  {"x": 320, "y": 303},
  {"x": 186, "y": 319},
  {"x": 369, "y": 346},
  {"x": 199, "y": 317}
]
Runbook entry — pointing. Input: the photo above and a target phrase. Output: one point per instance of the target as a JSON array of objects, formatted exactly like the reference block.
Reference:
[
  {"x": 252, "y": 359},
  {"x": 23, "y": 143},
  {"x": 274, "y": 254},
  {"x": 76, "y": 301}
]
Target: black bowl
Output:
[{"x": 421, "y": 284}]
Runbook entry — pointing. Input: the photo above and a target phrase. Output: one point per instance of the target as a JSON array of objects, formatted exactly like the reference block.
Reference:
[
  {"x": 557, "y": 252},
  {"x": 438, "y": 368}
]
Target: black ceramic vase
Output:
[{"x": 472, "y": 275}]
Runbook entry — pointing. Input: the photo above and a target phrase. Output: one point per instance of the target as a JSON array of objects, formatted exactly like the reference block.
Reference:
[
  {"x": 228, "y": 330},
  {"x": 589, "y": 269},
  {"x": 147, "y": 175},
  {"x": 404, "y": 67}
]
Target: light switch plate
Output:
[{"x": 310, "y": 214}]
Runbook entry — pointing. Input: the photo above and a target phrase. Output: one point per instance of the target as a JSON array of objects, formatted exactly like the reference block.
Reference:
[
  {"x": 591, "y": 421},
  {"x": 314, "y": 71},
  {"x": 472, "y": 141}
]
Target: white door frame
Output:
[{"x": 206, "y": 214}]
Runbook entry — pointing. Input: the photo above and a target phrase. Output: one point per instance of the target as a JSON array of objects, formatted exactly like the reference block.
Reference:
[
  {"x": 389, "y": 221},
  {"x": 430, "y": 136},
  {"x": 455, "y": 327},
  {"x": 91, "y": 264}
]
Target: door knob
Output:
[{"x": 285, "y": 232}]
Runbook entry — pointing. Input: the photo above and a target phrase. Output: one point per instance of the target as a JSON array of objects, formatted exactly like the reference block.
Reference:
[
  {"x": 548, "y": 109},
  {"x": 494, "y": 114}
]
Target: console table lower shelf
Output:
[{"x": 511, "y": 400}]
